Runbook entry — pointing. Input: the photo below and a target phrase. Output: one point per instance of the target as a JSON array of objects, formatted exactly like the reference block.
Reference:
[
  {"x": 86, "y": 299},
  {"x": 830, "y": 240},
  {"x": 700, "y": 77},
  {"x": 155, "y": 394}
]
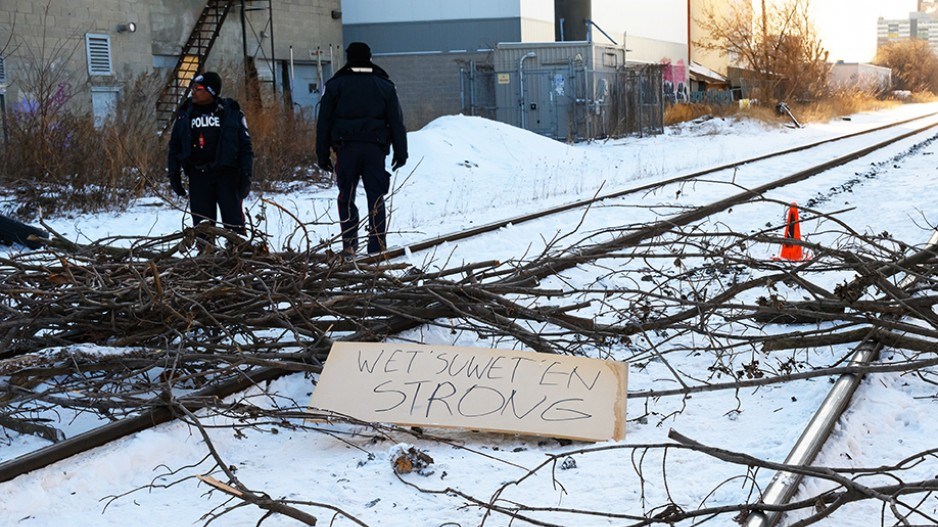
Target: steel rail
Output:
[
  {"x": 784, "y": 485},
  {"x": 396, "y": 252},
  {"x": 686, "y": 218},
  {"x": 160, "y": 412}
]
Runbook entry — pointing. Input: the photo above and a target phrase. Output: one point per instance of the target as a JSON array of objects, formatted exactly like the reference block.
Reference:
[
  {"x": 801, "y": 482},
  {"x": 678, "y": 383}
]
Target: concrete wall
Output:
[
  {"x": 55, "y": 35},
  {"x": 443, "y": 35},
  {"x": 389, "y": 11},
  {"x": 666, "y": 21},
  {"x": 429, "y": 84},
  {"x": 716, "y": 61}
]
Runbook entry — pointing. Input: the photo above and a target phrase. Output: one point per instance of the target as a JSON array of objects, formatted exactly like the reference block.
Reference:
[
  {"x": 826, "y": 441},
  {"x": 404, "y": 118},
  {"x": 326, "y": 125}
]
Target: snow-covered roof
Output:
[{"x": 702, "y": 73}]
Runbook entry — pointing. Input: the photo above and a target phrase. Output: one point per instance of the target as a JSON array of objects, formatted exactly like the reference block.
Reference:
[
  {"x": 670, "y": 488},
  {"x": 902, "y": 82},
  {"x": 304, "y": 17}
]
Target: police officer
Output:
[
  {"x": 211, "y": 144},
  {"x": 360, "y": 119}
]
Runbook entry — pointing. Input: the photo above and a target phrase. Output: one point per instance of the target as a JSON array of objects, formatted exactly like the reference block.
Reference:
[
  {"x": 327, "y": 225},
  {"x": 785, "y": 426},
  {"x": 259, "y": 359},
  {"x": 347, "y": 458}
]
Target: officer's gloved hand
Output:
[
  {"x": 245, "y": 189},
  {"x": 398, "y": 162},
  {"x": 326, "y": 165},
  {"x": 176, "y": 183}
]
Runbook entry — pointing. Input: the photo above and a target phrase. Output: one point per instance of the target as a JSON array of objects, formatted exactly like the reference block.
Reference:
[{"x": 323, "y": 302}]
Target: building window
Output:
[
  {"x": 3, "y": 72},
  {"x": 98, "y": 48}
]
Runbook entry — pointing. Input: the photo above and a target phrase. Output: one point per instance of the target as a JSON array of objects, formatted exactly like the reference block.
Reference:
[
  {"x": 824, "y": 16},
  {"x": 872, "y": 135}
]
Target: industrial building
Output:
[
  {"x": 87, "y": 52},
  {"x": 570, "y": 69}
]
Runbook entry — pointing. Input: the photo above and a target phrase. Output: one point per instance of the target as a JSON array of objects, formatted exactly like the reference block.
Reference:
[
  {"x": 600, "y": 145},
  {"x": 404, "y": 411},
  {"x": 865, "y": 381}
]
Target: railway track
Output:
[
  {"x": 784, "y": 485},
  {"x": 159, "y": 412},
  {"x": 396, "y": 252}
]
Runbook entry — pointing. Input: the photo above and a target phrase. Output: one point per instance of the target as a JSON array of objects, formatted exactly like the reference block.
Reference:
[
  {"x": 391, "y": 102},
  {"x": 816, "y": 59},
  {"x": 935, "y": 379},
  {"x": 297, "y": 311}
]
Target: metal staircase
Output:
[{"x": 191, "y": 59}]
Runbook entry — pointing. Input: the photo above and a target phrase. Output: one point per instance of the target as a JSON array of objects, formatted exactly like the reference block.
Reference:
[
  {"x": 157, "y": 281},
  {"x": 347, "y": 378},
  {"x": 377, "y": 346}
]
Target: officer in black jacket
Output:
[
  {"x": 210, "y": 142},
  {"x": 360, "y": 119}
]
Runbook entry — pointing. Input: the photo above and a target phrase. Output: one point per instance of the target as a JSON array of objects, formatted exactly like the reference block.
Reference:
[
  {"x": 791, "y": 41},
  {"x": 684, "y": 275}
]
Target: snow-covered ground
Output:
[{"x": 467, "y": 171}]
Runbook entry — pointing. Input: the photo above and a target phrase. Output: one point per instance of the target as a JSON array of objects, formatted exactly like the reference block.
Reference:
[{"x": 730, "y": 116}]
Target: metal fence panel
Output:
[
  {"x": 723, "y": 97},
  {"x": 568, "y": 101}
]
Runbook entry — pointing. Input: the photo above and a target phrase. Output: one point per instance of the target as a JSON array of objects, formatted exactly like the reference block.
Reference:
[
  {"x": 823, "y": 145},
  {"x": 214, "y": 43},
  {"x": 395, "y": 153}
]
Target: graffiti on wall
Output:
[
  {"x": 675, "y": 80},
  {"x": 31, "y": 104}
]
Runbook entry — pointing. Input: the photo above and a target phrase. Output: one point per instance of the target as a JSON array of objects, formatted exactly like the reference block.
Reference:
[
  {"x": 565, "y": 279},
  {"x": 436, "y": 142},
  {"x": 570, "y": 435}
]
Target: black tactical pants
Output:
[
  {"x": 210, "y": 192},
  {"x": 363, "y": 161}
]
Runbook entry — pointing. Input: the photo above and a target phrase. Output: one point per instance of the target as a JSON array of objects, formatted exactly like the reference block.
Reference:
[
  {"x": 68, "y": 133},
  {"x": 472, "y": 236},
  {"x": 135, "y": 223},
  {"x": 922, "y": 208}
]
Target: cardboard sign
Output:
[{"x": 520, "y": 392}]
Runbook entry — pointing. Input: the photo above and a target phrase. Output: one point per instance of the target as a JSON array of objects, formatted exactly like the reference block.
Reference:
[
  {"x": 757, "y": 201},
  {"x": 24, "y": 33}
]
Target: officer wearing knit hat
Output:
[
  {"x": 209, "y": 80},
  {"x": 360, "y": 120},
  {"x": 358, "y": 54},
  {"x": 211, "y": 144}
]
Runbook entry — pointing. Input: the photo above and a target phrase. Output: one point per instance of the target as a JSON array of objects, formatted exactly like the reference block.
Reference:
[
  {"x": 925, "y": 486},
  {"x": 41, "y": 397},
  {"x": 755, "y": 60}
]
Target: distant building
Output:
[{"x": 920, "y": 25}]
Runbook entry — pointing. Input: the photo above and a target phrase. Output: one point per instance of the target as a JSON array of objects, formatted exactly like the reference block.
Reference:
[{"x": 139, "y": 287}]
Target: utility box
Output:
[{"x": 575, "y": 90}]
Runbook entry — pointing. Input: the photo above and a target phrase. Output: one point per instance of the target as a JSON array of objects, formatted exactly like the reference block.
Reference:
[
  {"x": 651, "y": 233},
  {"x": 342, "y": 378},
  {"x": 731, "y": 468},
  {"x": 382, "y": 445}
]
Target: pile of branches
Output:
[
  {"x": 243, "y": 301},
  {"x": 179, "y": 320}
]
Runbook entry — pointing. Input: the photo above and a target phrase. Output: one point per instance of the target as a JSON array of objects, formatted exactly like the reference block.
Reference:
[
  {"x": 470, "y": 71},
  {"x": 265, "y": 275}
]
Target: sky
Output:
[
  {"x": 848, "y": 27},
  {"x": 466, "y": 171}
]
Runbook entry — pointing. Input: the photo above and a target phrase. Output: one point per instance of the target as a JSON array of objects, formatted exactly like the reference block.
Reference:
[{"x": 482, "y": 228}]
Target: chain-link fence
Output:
[{"x": 567, "y": 101}]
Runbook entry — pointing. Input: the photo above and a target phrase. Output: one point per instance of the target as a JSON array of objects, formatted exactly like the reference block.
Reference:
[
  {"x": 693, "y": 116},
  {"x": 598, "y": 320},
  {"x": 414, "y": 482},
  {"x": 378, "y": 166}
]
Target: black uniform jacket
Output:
[
  {"x": 234, "y": 145},
  {"x": 360, "y": 104}
]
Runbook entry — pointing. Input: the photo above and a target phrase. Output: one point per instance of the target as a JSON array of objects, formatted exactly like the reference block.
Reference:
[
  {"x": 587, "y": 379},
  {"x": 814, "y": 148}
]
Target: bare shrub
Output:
[
  {"x": 833, "y": 106},
  {"x": 284, "y": 139},
  {"x": 135, "y": 155},
  {"x": 914, "y": 65},
  {"x": 57, "y": 160},
  {"x": 778, "y": 43},
  {"x": 284, "y": 146},
  {"x": 677, "y": 113},
  {"x": 680, "y": 112}
]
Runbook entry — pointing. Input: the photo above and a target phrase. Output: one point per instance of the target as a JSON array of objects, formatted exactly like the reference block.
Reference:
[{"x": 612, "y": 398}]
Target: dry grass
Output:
[
  {"x": 833, "y": 107},
  {"x": 284, "y": 140},
  {"x": 679, "y": 113},
  {"x": 923, "y": 97},
  {"x": 839, "y": 105}
]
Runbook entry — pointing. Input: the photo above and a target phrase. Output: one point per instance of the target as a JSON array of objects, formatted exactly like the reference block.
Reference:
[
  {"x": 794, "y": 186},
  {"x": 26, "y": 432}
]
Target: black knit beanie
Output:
[
  {"x": 210, "y": 80},
  {"x": 358, "y": 54}
]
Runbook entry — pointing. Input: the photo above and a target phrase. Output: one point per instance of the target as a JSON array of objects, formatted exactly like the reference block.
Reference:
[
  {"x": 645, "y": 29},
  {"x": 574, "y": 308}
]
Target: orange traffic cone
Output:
[{"x": 794, "y": 253}]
